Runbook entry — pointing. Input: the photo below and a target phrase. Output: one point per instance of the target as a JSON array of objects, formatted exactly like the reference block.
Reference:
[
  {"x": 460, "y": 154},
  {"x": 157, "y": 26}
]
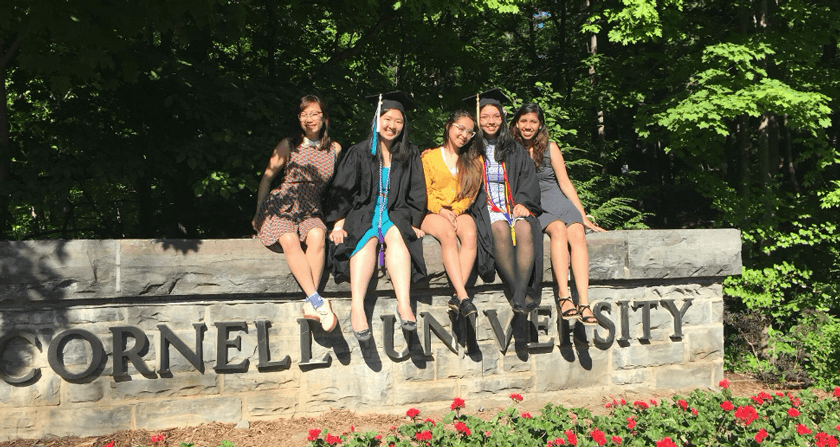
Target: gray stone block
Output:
[
  {"x": 261, "y": 381},
  {"x": 700, "y": 313},
  {"x": 493, "y": 387},
  {"x": 717, "y": 313},
  {"x": 87, "y": 420},
  {"x": 607, "y": 255},
  {"x": 632, "y": 376},
  {"x": 140, "y": 387},
  {"x": 57, "y": 270},
  {"x": 87, "y": 392},
  {"x": 554, "y": 372},
  {"x": 654, "y": 354},
  {"x": 347, "y": 386},
  {"x": 439, "y": 391},
  {"x": 705, "y": 343},
  {"x": 271, "y": 404},
  {"x": 684, "y": 376},
  {"x": 174, "y": 316},
  {"x": 683, "y": 253},
  {"x": 95, "y": 315},
  {"x": 451, "y": 366},
  {"x": 19, "y": 424},
  {"x": 512, "y": 363},
  {"x": 408, "y": 371},
  {"x": 183, "y": 412},
  {"x": 45, "y": 391}
]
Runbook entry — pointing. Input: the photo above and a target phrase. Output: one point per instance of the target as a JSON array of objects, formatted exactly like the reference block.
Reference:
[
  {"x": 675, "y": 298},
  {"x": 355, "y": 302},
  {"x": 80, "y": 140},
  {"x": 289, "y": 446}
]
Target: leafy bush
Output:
[{"x": 702, "y": 418}]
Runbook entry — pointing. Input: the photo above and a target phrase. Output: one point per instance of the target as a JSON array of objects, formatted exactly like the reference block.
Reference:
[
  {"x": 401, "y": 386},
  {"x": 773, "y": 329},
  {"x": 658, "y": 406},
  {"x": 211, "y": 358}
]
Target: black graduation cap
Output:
[
  {"x": 493, "y": 96},
  {"x": 393, "y": 100}
]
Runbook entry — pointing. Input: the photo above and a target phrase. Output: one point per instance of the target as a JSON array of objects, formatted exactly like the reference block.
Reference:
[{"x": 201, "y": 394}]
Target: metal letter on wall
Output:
[
  {"x": 429, "y": 325},
  {"x": 135, "y": 354},
  {"x": 167, "y": 337},
  {"x": 222, "y": 345},
  {"x": 265, "y": 362},
  {"x": 56, "y": 350},
  {"x": 34, "y": 373},
  {"x": 502, "y": 337}
]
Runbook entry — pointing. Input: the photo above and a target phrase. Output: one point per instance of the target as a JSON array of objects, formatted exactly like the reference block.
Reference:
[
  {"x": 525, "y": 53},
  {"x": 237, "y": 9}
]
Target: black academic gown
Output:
[
  {"x": 352, "y": 196},
  {"x": 525, "y": 188}
]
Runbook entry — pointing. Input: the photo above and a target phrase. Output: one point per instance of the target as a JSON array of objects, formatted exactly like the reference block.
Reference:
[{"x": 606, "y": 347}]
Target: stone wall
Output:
[{"x": 69, "y": 308}]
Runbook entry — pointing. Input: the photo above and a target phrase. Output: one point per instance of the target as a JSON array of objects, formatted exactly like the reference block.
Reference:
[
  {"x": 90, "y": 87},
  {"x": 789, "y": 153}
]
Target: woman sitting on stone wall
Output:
[
  {"x": 289, "y": 219},
  {"x": 378, "y": 199},
  {"x": 563, "y": 218},
  {"x": 453, "y": 177}
]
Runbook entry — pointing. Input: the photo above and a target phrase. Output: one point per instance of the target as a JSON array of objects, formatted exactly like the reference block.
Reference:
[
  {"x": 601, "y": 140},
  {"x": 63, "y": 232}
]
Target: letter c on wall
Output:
[{"x": 33, "y": 372}]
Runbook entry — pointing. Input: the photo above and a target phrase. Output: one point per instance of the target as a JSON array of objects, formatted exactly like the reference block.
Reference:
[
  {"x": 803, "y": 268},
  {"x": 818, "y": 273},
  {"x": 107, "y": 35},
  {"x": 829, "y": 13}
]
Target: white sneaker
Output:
[{"x": 324, "y": 314}]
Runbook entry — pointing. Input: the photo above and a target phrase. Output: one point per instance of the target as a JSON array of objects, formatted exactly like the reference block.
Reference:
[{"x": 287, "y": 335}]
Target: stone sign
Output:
[{"x": 100, "y": 336}]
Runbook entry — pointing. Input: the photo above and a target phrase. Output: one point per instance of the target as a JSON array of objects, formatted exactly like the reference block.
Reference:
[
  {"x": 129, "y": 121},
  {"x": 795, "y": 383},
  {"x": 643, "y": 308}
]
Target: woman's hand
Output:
[
  {"x": 418, "y": 232},
  {"x": 520, "y": 211},
  {"x": 449, "y": 215},
  {"x": 254, "y": 224},
  {"x": 588, "y": 224},
  {"x": 337, "y": 235}
]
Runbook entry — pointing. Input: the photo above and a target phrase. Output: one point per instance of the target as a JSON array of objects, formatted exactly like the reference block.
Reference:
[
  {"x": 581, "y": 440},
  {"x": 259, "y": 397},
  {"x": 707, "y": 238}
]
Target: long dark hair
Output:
[
  {"x": 469, "y": 161},
  {"x": 504, "y": 142},
  {"x": 539, "y": 144},
  {"x": 401, "y": 148},
  {"x": 297, "y": 132}
]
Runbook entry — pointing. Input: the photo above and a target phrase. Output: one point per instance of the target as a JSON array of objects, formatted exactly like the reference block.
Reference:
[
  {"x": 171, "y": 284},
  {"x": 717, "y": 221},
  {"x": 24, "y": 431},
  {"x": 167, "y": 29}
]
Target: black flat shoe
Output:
[
  {"x": 520, "y": 309},
  {"x": 407, "y": 325},
  {"x": 363, "y": 335},
  {"x": 467, "y": 307}
]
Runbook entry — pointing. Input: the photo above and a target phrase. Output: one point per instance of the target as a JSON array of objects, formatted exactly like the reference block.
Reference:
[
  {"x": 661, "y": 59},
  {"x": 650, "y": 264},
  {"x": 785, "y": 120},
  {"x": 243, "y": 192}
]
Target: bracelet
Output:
[{"x": 336, "y": 229}]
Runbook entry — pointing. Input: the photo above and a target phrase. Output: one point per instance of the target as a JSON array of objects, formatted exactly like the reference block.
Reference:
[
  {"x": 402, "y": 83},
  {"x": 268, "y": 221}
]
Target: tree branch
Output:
[
  {"x": 356, "y": 49},
  {"x": 7, "y": 56}
]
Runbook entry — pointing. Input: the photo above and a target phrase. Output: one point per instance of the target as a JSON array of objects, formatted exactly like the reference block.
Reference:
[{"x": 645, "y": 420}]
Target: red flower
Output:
[
  {"x": 424, "y": 435},
  {"x": 432, "y": 421},
  {"x": 412, "y": 413},
  {"x": 487, "y": 434},
  {"x": 516, "y": 397},
  {"x": 608, "y": 405},
  {"x": 526, "y": 415},
  {"x": 793, "y": 412},
  {"x": 462, "y": 427},
  {"x": 837, "y": 391},
  {"x": 665, "y": 442},
  {"x": 794, "y": 400},
  {"x": 760, "y": 435},
  {"x": 110, "y": 444},
  {"x": 631, "y": 423},
  {"x": 780, "y": 394},
  {"x": 598, "y": 437},
  {"x": 616, "y": 440},
  {"x": 757, "y": 400},
  {"x": 393, "y": 427},
  {"x": 157, "y": 438},
  {"x": 825, "y": 440},
  {"x": 837, "y": 427},
  {"x": 313, "y": 434},
  {"x": 802, "y": 429},
  {"x": 623, "y": 402},
  {"x": 683, "y": 404},
  {"x": 723, "y": 384},
  {"x": 572, "y": 437},
  {"x": 694, "y": 411},
  {"x": 457, "y": 403},
  {"x": 764, "y": 395},
  {"x": 558, "y": 441},
  {"x": 332, "y": 440},
  {"x": 378, "y": 436},
  {"x": 726, "y": 405},
  {"x": 746, "y": 414},
  {"x": 641, "y": 403},
  {"x": 653, "y": 402}
]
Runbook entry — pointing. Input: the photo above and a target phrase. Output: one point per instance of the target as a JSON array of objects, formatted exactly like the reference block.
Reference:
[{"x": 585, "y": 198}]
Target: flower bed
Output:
[{"x": 701, "y": 418}]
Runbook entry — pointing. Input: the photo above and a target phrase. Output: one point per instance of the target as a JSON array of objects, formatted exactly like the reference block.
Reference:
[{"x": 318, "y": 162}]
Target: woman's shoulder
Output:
[{"x": 426, "y": 155}]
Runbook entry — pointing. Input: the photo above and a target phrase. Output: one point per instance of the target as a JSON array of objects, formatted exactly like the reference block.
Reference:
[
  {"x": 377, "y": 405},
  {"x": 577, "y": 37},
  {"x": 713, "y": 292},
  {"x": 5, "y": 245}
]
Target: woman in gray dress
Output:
[{"x": 563, "y": 218}]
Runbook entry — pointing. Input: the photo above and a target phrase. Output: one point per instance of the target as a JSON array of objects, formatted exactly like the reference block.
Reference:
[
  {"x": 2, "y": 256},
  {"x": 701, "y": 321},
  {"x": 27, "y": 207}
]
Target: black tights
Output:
[{"x": 514, "y": 263}]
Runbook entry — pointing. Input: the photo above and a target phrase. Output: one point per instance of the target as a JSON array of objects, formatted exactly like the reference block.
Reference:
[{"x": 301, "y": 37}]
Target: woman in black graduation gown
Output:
[
  {"x": 378, "y": 198},
  {"x": 507, "y": 206}
]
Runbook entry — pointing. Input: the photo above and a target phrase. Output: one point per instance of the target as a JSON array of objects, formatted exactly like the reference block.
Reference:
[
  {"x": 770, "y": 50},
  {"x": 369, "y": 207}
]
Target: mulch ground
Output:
[{"x": 292, "y": 432}]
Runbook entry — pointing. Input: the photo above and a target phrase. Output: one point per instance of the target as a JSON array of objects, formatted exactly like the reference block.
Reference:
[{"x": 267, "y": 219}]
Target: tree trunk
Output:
[
  {"x": 744, "y": 150},
  {"x": 600, "y": 128}
]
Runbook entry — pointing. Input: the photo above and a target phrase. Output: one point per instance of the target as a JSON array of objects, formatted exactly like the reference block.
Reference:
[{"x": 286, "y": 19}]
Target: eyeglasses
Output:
[
  {"x": 312, "y": 115},
  {"x": 495, "y": 117},
  {"x": 463, "y": 130}
]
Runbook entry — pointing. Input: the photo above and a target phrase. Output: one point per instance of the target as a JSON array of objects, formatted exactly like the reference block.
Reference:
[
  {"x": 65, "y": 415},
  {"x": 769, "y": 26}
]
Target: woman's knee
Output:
[{"x": 316, "y": 239}]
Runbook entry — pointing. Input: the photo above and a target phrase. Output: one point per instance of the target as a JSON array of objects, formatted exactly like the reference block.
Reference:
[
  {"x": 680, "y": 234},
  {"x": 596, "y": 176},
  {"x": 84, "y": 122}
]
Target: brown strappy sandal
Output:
[
  {"x": 588, "y": 320},
  {"x": 568, "y": 314}
]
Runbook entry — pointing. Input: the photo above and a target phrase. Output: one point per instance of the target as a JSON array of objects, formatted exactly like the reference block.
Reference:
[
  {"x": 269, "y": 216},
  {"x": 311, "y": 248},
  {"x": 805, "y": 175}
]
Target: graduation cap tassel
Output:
[{"x": 375, "y": 126}]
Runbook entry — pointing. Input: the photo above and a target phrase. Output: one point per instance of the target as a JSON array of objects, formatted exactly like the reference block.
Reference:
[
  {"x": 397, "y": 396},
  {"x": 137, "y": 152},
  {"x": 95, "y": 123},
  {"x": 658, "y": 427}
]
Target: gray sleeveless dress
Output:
[{"x": 555, "y": 204}]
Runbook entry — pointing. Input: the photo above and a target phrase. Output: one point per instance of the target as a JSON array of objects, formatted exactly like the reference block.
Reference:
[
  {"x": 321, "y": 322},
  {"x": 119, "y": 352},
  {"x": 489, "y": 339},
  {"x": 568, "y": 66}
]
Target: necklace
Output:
[{"x": 384, "y": 187}]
